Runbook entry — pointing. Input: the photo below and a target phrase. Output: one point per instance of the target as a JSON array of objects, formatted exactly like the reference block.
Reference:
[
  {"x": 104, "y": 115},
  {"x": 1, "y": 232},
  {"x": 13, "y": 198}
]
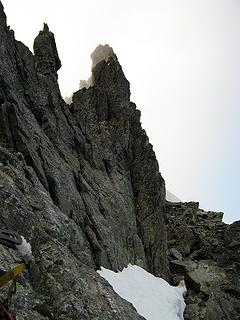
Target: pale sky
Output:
[{"x": 182, "y": 58}]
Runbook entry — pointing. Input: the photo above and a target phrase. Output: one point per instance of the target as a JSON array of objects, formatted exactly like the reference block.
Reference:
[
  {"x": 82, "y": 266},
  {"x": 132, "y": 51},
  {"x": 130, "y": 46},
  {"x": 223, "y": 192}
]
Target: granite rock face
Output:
[
  {"x": 45, "y": 52},
  {"x": 206, "y": 253},
  {"x": 81, "y": 183}
]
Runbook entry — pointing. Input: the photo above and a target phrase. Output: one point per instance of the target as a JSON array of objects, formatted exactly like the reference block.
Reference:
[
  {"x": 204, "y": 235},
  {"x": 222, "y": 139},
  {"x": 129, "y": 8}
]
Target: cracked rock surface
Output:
[
  {"x": 81, "y": 183},
  {"x": 205, "y": 252}
]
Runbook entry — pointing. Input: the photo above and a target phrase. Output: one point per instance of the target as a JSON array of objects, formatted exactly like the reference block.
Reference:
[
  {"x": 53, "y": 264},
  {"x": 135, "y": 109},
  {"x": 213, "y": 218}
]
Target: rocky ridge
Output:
[
  {"x": 81, "y": 183},
  {"x": 206, "y": 253}
]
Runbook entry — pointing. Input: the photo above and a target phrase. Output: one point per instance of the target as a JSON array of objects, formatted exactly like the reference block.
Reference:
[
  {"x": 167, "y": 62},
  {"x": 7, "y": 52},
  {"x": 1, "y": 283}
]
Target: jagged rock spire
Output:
[
  {"x": 46, "y": 56},
  {"x": 45, "y": 27},
  {"x": 2, "y": 15}
]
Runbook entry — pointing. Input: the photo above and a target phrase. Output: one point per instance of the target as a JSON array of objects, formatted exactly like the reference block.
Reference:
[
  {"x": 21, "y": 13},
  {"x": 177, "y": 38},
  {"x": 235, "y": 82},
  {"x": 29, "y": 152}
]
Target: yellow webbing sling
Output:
[{"x": 12, "y": 274}]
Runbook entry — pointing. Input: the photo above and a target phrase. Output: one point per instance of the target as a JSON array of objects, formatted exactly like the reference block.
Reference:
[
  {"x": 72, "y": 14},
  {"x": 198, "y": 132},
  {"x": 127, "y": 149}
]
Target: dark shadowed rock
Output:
[
  {"x": 45, "y": 51},
  {"x": 82, "y": 184},
  {"x": 210, "y": 261},
  {"x": 75, "y": 184},
  {"x": 2, "y": 16}
]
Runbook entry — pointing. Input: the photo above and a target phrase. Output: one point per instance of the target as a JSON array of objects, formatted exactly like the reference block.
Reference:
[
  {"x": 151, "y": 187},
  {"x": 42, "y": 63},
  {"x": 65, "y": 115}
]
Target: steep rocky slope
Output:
[
  {"x": 81, "y": 183},
  {"x": 206, "y": 253}
]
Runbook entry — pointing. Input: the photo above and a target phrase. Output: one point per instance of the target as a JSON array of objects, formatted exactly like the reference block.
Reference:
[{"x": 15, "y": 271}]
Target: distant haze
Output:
[
  {"x": 171, "y": 197},
  {"x": 182, "y": 60}
]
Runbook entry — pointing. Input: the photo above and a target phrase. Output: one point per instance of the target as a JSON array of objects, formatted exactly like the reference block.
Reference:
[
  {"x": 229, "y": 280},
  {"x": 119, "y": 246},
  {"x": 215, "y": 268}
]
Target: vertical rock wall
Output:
[{"x": 80, "y": 182}]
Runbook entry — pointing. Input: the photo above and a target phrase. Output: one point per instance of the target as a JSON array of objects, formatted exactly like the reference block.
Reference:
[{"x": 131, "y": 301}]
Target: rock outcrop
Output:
[
  {"x": 206, "y": 253},
  {"x": 81, "y": 183},
  {"x": 45, "y": 52}
]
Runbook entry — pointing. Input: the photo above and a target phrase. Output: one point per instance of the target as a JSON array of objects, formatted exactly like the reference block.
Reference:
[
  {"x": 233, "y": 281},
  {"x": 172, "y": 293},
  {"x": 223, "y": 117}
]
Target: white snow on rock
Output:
[
  {"x": 102, "y": 52},
  {"x": 171, "y": 197},
  {"x": 152, "y": 297},
  {"x": 25, "y": 250}
]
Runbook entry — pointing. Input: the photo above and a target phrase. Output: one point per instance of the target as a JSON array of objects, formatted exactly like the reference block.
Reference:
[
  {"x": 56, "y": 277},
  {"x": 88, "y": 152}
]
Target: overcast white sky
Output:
[{"x": 182, "y": 58}]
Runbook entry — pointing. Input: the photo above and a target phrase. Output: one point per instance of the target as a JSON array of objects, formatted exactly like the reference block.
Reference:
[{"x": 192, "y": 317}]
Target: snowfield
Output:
[{"x": 152, "y": 297}]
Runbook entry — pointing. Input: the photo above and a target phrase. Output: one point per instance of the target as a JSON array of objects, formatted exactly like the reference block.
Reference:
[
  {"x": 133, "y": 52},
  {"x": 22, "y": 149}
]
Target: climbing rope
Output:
[{"x": 5, "y": 313}]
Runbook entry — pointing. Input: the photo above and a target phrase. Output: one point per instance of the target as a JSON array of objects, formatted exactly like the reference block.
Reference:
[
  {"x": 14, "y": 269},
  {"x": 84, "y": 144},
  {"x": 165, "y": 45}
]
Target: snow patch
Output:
[
  {"x": 25, "y": 250},
  {"x": 152, "y": 297}
]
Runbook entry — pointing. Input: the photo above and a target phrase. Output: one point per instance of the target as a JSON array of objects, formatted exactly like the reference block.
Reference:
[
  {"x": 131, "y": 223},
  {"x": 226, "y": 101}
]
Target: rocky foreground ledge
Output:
[
  {"x": 206, "y": 253},
  {"x": 81, "y": 183}
]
